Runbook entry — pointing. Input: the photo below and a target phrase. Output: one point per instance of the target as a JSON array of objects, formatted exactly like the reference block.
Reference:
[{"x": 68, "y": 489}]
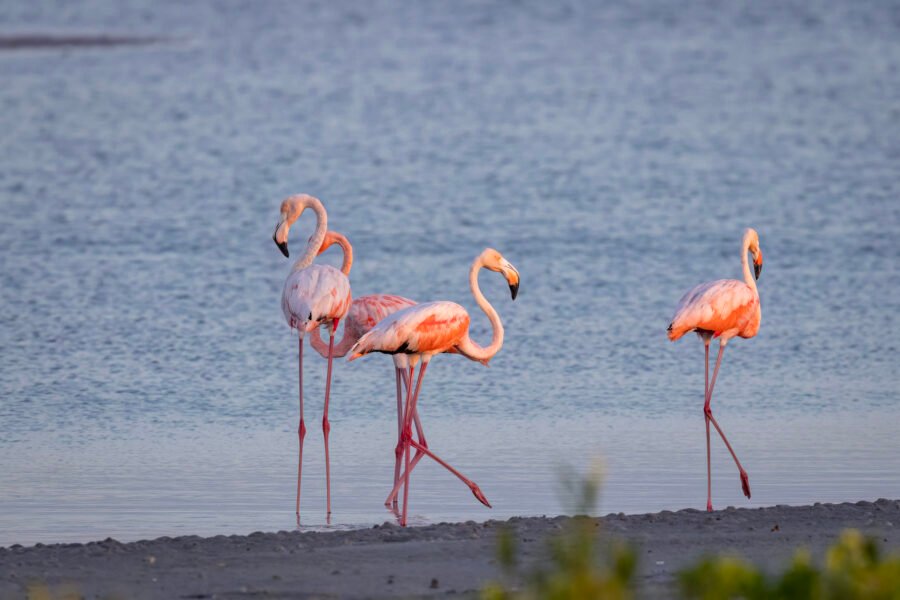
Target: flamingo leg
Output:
[
  {"x": 405, "y": 439},
  {"x": 326, "y": 426},
  {"x": 476, "y": 491},
  {"x": 411, "y": 413},
  {"x": 301, "y": 429},
  {"x": 745, "y": 479},
  {"x": 709, "y": 506},
  {"x": 392, "y": 497},
  {"x": 422, "y": 450},
  {"x": 398, "y": 449}
]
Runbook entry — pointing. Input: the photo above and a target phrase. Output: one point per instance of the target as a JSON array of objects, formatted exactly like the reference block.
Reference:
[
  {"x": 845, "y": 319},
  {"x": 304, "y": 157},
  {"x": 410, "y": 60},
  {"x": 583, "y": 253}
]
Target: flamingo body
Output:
[
  {"x": 724, "y": 307},
  {"x": 314, "y": 296},
  {"x": 365, "y": 312},
  {"x": 428, "y": 328}
]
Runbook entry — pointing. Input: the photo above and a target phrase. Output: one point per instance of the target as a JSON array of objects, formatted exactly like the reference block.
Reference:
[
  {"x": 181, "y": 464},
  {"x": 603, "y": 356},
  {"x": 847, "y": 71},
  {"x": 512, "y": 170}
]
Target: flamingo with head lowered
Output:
[
  {"x": 722, "y": 309},
  {"x": 419, "y": 332},
  {"x": 365, "y": 312},
  {"x": 314, "y": 296}
]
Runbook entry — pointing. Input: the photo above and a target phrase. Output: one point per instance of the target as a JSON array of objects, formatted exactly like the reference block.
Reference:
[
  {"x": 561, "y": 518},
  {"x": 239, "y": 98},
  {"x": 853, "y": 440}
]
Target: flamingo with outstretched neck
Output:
[
  {"x": 422, "y": 331},
  {"x": 722, "y": 309},
  {"x": 314, "y": 296},
  {"x": 365, "y": 312}
]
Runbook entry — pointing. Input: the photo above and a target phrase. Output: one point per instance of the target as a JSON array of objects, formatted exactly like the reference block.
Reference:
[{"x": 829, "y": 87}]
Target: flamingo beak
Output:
[
  {"x": 280, "y": 237},
  {"x": 757, "y": 269},
  {"x": 512, "y": 277}
]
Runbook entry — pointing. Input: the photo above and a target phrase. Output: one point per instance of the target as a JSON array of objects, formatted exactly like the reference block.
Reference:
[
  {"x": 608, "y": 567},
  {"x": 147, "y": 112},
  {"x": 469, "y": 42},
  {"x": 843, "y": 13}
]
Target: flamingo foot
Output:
[
  {"x": 745, "y": 483},
  {"x": 476, "y": 491},
  {"x": 709, "y": 507}
]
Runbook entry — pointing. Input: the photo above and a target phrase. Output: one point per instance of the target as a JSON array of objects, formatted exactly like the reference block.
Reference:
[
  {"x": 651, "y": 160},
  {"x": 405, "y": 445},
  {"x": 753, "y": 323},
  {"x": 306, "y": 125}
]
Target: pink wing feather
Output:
[
  {"x": 715, "y": 306},
  {"x": 364, "y": 313},
  {"x": 431, "y": 327}
]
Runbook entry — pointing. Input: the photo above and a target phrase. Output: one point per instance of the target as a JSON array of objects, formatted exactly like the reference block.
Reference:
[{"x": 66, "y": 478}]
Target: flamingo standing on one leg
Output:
[
  {"x": 364, "y": 313},
  {"x": 722, "y": 309},
  {"x": 313, "y": 296},
  {"x": 424, "y": 330}
]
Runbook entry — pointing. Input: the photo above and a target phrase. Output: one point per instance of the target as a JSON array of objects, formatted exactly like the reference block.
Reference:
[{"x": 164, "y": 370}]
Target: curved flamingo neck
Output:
[
  {"x": 340, "y": 348},
  {"x": 469, "y": 347},
  {"x": 347, "y": 251},
  {"x": 315, "y": 242},
  {"x": 749, "y": 279}
]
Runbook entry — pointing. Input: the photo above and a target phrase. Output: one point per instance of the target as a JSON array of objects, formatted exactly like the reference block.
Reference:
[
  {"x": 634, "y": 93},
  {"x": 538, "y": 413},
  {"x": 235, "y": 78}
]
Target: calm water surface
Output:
[{"x": 613, "y": 154}]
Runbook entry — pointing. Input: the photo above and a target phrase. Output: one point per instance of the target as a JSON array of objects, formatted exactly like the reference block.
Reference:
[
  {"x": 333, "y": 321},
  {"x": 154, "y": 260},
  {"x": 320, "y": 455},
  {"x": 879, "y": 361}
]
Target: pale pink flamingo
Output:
[
  {"x": 364, "y": 313},
  {"x": 419, "y": 332},
  {"x": 314, "y": 296},
  {"x": 722, "y": 309}
]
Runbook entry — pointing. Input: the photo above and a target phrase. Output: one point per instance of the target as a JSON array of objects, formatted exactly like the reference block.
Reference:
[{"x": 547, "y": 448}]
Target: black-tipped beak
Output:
[
  {"x": 514, "y": 290},
  {"x": 757, "y": 269},
  {"x": 283, "y": 247}
]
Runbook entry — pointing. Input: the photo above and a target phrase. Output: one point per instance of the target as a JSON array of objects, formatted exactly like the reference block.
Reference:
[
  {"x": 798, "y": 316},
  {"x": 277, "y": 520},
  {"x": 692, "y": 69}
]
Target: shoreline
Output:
[{"x": 389, "y": 561}]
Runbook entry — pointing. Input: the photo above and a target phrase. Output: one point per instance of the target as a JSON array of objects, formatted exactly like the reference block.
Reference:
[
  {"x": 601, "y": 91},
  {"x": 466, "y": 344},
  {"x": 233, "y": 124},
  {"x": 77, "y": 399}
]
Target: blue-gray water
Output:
[{"x": 614, "y": 154}]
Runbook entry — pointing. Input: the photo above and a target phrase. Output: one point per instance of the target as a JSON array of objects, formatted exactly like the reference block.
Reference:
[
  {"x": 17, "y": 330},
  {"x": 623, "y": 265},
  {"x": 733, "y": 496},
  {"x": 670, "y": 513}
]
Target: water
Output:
[{"x": 613, "y": 154}]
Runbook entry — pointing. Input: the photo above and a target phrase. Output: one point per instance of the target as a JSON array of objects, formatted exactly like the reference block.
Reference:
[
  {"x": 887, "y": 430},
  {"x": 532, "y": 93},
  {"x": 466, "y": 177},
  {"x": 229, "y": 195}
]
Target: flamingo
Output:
[
  {"x": 314, "y": 296},
  {"x": 722, "y": 309},
  {"x": 419, "y": 332},
  {"x": 364, "y": 313}
]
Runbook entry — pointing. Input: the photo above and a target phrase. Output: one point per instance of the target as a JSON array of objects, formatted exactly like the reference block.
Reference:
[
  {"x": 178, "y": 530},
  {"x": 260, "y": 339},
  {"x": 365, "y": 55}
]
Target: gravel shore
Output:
[{"x": 388, "y": 561}]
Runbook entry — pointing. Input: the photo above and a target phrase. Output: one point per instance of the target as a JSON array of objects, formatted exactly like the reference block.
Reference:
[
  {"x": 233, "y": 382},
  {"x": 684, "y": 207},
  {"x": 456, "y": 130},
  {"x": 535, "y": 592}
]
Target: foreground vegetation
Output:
[{"x": 581, "y": 567}]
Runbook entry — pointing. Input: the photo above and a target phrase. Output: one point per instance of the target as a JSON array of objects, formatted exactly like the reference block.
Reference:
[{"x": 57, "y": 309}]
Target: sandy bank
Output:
[{"x": 387, "y": 561}]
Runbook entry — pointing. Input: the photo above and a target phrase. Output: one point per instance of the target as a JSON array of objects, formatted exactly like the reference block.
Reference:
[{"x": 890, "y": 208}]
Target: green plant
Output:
[
  {"x": 578, "y": 568},
  {"x": 854, "y": 569}
]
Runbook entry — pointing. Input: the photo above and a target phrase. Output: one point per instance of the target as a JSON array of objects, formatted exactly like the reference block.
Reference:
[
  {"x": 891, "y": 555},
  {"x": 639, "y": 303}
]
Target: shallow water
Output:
[{"x": 613, "y": 154}]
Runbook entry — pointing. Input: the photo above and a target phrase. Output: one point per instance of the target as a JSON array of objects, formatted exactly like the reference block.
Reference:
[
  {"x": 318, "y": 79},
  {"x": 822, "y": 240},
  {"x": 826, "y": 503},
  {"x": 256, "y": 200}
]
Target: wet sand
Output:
[{"x": 448, "y": 558}]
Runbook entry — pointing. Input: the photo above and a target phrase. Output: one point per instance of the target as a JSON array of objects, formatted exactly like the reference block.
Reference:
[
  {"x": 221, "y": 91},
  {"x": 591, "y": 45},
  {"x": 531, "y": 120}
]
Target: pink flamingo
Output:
[
  {"x": 722, "y": 309},
  {"x": 364, "y": 313},
  {"x": 314, "y": 296},
  {"x": 419, "y": 332}
]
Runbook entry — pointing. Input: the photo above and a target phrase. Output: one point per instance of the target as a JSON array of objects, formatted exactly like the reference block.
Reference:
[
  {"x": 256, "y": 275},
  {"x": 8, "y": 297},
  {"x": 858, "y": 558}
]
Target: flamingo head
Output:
[
  {"x": 751, "y": 239},
  {"x": 291, "y": 209},
  {"x": 494, "y": 261}
]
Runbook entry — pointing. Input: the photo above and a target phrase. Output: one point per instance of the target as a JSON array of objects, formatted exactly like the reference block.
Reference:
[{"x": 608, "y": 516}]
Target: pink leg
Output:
[
  {"x": 398, "y": 449},
  {"x": 422, "y": 450},
  {"x": 407, "y": 434},
  {"x": 709, "y": 506},
  {"x": 745, "y": 479},
  {"x": 326, "y": 426},
  {"x": 420, "y": 431},
  {"x": 471, "y": 484},
  {"x": 392, "y": 497},
  {"x": 301, "y": 429},
  {"x": 410, "y": 412}
]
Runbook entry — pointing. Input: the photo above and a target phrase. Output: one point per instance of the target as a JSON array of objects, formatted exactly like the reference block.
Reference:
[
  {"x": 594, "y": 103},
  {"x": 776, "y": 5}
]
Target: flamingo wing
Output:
[
  {"x": 367, "y": 311},
  {"x": 715, "y": 306},
  {"x": 431, "y": 327},
  {"x": 315, "y": 295}
]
